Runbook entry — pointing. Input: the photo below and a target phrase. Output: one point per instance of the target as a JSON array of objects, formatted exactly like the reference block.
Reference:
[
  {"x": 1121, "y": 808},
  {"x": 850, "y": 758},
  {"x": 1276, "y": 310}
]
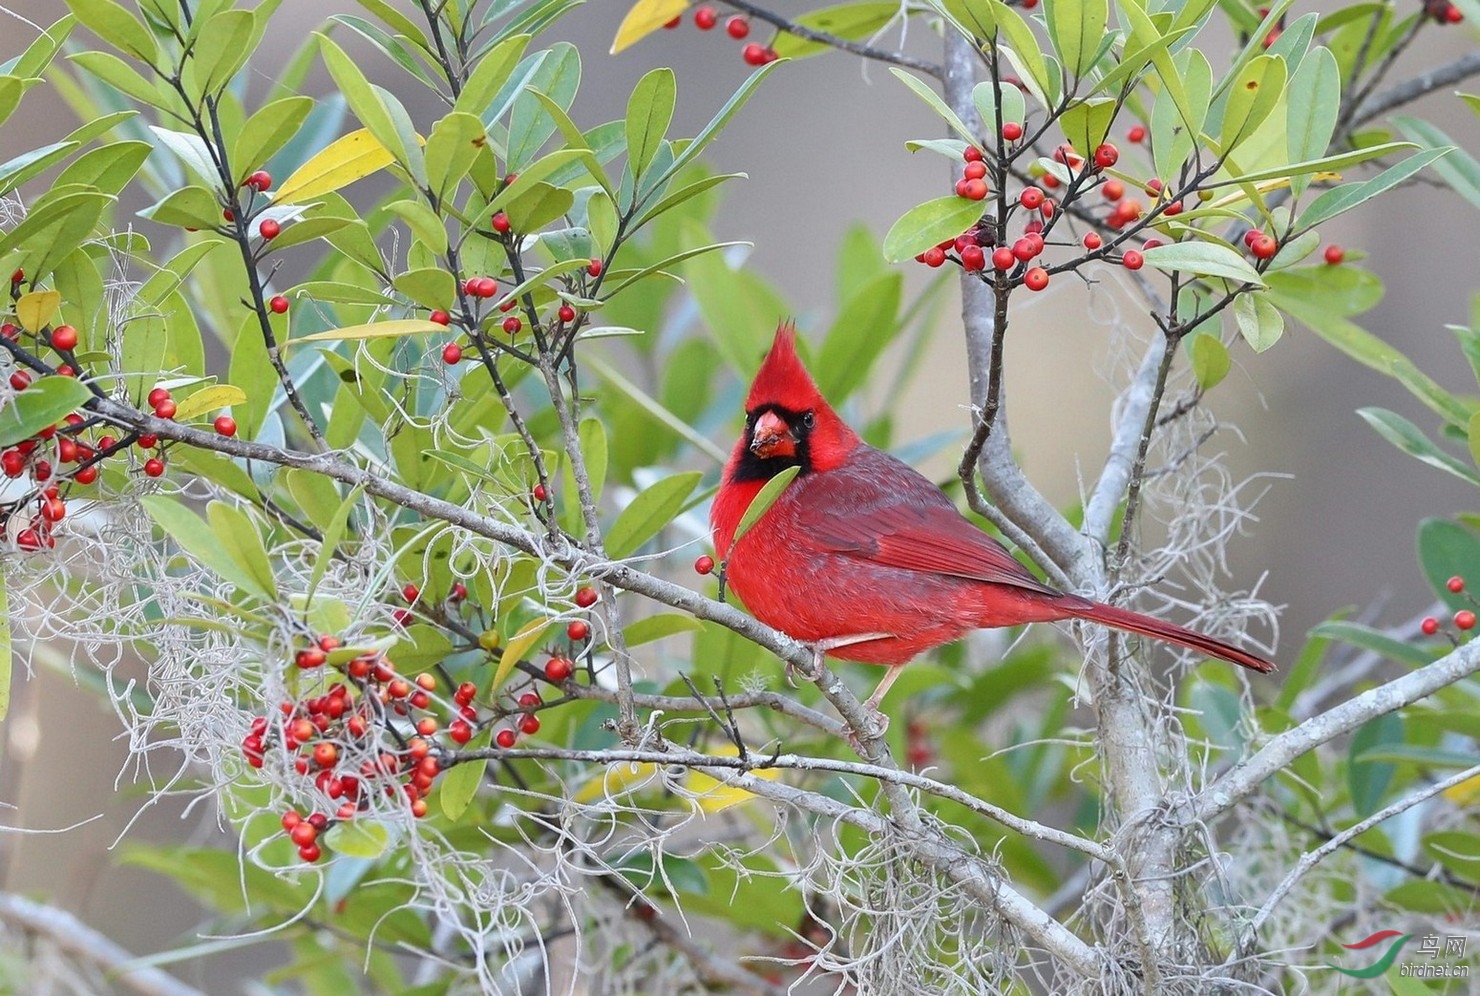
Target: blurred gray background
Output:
[{"x": 823, "y": 143}]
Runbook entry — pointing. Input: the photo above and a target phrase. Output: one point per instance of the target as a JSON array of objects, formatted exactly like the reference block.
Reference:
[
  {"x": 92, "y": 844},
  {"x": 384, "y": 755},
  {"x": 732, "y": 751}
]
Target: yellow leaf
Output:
[
  {"x": 1465, "y": 793},
  {"x": 35, "y": 309},
  {"x": 374, "y": 330},
  {"x": 713, "y": 794},
  {"x": 340, "y": 163},
  {"x": 619, "y": 779},
  {"x": 208, "y": 399},
  {"x": 517, "y": 647},
  {"x": 645, "y": 17}
]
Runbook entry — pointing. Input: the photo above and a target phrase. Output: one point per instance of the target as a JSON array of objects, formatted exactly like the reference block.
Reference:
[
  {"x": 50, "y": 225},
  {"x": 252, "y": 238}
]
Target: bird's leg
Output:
[
  {"x": 822, "y": 647},
  {"x": 872, "y": 705}
]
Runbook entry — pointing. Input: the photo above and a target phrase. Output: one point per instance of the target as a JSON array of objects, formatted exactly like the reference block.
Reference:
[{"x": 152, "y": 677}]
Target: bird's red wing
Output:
[{"x": 883, "y": 511}]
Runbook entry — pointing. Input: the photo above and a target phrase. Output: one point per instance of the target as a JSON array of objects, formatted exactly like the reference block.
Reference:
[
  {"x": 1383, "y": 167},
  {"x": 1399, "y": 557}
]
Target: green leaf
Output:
[
  {"x": 1087, "y": 122},
  {"x": 1447, "y": 549},
  {"x": 649, "y": 512},
  {"x": 267, "y": 131},
  {"x": 451, "y": 148},
  {"x": 1076, "y": 28},
  {"x": 1315, "y": 102},
  {"x": 1367, "y": 638},
  {"x": 209, "y": 399},
  {"x": 237, "y": 536},
  {"x": 423, "y": 222},
  {"x": 221, "y": 48},
  {"x": 432, "y": 288},
  {"x": 985, "y": 96},
  {"x": 109, "y": 167},
  {"x": 1208, "y": 259},
  {"x": 490, "y": 73},
  {"x": 375, "y": 330},
  {"x": 935, "y": 103},
  {"x": 658, "y": 627},
  {"x": 1259, "y": 321},
  {"x": 363, "y": 98},
  {"x": 654, "y": 410},
  {"x": 858, "y": 335},
  {"x": 363, "y": 839},
  {"x": 1459, "y": 169},
  {"x": 16, "y": 171},
  {"x": 1210, "y": 362},
  {"x": 850, "y": 21},
  {"x": 118, "y": 74},
  {"x": 1173, "y": 138},
  {"x": 47, "y": 401},
  {"x": 1339, "y": 200},
  {"x": 649, "y": 112},
  {"x": 7, "y": 653},
  {"x": 557, "y": 75},
  {"x": 762, "y": 502},
  {"x": 537, "y": 204},
  {"x": 1410, "y": 439},
  {"x": 1024, "y": 51},
  {"x": 188, "y": 207},
  {"x": 1369, "y": 780},
  {"x": 707, "y": 134},
  {"x": 116, "y": 26},
  {"x": 1254, "y": 94},
  {"x": 459, "y": 786},
  {"x": 199, "y": 540},
  {"x": 1458, "y": 850},
  {"x": 929, "y": 224}
]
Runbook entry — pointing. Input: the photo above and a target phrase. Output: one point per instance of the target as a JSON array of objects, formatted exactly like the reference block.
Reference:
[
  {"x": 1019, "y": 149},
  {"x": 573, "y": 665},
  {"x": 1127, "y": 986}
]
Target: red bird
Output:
[{"x": 865, "y": 558}]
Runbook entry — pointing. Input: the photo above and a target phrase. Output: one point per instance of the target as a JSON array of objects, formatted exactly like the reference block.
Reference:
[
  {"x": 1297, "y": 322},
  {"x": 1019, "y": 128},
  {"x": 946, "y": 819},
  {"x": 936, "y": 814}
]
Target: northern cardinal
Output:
[{"x": 862, "y": 556}]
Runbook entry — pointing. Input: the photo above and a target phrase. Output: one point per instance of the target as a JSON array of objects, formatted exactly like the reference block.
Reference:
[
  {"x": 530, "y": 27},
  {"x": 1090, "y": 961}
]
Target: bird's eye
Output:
[
  {"x": 808, "y": 420},
  {"x": 749, "y": 419}
]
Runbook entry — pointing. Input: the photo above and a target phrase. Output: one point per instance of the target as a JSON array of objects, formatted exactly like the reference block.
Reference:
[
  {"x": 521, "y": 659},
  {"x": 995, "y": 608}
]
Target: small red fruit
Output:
[
  {"x": 973, "y": 190},
  {"x": 539, "y": 492},
  {"x": 259, "y": 181},
  {"x": 440, "y": 317},
  {"x": 1106, "y": 155},
  {"x": 595, "y": 267},
  {"x": 465, "y": 693},
  {"x": 586, "y": 597},
  {"x": 512, "y": 324},
  {"x": 1092, "y": 240},
  {"x": 269, "y": 229},
  {"x": 1132, "y": 260},
  {"x": 566, "y": 313},
  {"x": 1031, "y": 198},
  {"x": 934, "y": 256},
  {"x": 165, "y": 409},
  {"x": 153, "y": 467},
  {"x": 529, "y": 725},
  {"x": 972, "y": 154},
  {"x": 975, "y": 171},
  {"x": 578, "y": 630},
  {"x": 737, "y": 27},
  {"x": 460, "y": 732},
  {"x": 487, "y": 287},
  {"x": 303, "y": 833},
  {"x": 1264, "y": 246},
  {"x": 1012, "y": 131},
  {"x": 452, "y": 354},
  {"x": 1003, "y": 258},
  {"x": 325, "y": 754},
  {"x": 1137, "y": 134},
  {"x": 1464, "y": 619},
  {"x": 500, "y": 222},
  {"x": 505, "y": 738},
  {"x": 225, "y": 425},
  {"x": 705, "y": 18},
  {"x": 157, "y": 397},
  {"x": 278, "y": 304},
  {"x": 1334, "y": 255},
  {"x": 1035, "y": 279},
  {"x": 64, "y": 337},
  {"x": 529, "y": 700},
  {"x": 704, "y": 565},
  {"x": 754, "y": 54},
  {"x": 1455, "y": 584},
  {"x": 1429, "y": 626},
  {"x": 973, "y": 258},
  {"x": 20, "y": 380}
]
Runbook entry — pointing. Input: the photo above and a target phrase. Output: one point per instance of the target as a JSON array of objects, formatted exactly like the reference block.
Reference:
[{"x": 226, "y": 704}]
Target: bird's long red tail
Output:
[{"x": 1134, "y": 622}]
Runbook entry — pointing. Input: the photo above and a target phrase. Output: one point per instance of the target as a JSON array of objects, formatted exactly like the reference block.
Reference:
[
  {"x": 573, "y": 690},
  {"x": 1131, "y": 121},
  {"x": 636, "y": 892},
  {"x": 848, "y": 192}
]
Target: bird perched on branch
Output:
[{"x": 863, "y": 557}]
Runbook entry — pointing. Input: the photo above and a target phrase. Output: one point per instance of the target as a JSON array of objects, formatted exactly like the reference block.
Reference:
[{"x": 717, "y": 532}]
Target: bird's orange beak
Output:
[{"x": 772, "y": 437}]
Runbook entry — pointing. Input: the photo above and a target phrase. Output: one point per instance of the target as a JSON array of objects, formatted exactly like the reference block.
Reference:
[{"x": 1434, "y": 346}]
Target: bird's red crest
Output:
[{"x": 782, "y": 379}]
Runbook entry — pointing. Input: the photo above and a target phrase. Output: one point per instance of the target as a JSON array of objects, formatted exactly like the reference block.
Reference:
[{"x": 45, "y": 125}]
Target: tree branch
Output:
[{"x": 834, "y": 41}]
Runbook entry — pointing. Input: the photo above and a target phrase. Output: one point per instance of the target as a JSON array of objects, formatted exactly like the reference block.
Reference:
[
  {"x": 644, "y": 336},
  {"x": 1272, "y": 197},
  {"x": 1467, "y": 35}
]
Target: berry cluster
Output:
[
  {"x": 737, "y": 27},
  {"x": 1463, "y": 620}
]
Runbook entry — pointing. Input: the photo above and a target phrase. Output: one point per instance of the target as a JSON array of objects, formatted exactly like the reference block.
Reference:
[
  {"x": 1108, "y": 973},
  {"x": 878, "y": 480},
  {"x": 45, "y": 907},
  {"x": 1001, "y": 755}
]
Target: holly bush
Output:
[{"x": 384, "y": 434}]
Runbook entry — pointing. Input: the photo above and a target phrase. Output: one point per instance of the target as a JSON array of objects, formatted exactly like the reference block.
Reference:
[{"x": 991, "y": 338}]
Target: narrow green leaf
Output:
[
  {"x": 1173, "y": 137},
  {"x": 1315, "y": 101},
  {"x": 1024, "y": 50},
  {"x": 459, "y": 787},
  {"x": 658, "y": 627},
  {"x": 1369, "y": 780},
  {"x": 649, "y": 512},
  {"x": 928, "y": 224},
  {"x": 188, "y": 207},
  {"x": 1367, "y": 638},
  {"x": 1208, "y": 259},
  {"x": 1410, "y": 439},
  {"x": 934, "y": 102},
  {"x": 1251, "y": 98},
  {"x": 16, "y": 171},
  {"x": 851, "y": 21},
  {"x": 985, "y": 96},
  {"x": 237, "y": 535},
  {"x": 654, "y": 410},
  {"x": 1459, "y": 169},
  {"x": 47, "y": 401},
  {"x": 537, "y": 204},
  {"x": 116, "y": 26},
  {"x": 557, "y": 75},
  {"x": 649, "y": 113},
  {"x": 490, "y": 73},
  {"x": 220, "y": 50},
  {"x": 451, "y": 148},
  {"x": 432, "y": 288},
  {"x": 858, "y": 335},
  {"x": 423, "y": 222},
  {"x": 1076, "y": 28},
  {"x": 717, "y": 123},
  {"x": 762, "y": 502},
  {"x": 375, "y": 330},
  {"x": 1446, "y": 549},
  {"x": 1259, "y": 321},
  {"x": 120, "y": 75},
  {"x": 669, "y": 262},
  {"x": 363, "y": 98},
  {"x": 199, "y": 540},
  {"x": 1339, "y": 200}
]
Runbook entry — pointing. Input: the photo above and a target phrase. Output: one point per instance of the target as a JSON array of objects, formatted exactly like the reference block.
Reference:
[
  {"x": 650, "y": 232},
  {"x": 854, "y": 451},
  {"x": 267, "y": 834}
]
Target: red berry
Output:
[
  {"x": 440, "y": 317},
  {"x": 1137, "y": 134},
  {"x": 975, "y": 171},
  {"x": 754, "y": 54},
  {"x": 269, "y": 229},
  {"x": 86, "y": 475},
  {"x": 1333, "y": 255},
  {"x": 566, "y": 313},
  {"x": 290, "y": 820},
  {"x": 1264, "y": 246},
  {"x": 705, "y": 18},
  {"x": 505, "y": 739},
  {"x": 1092, "y": 240},
  {"x": 972, "y": 154},
  {"x": 259, "y": 181},
  {"x": 1031, "y": 198},
  {"x": 578, "y": 630},
  {"x": 64, "y": 337},
  {"x": 704, "y": 565},
  {"x": 539, "y": 492},
  {"x": 487, "y": 287},
  {"x": 53, "y": 510},
  {"x": 529, "y": 725},
  {"x": 500, "y": 222},
  {"x": 586, "y": 597},
  {"x": 311, "y": 853},
  {"x": 1035, "y": 279},
  {"x": 20, "y": 380},
  {"x": 595, "y": 267},
  {"x": 1152, "y": 244},
  {"x": 228, "y": 214},
  {"x": 325, "y": 754},
  {"x": 512, "y": 324},
  {"x": 452, "y": 354},
  {"x": 1132, "y": 260},
  {"x": 157, "y": 397},
  {"x": 310, "y": 657},
  {"x": 557, "y": 669},
  {"x": 934, "y": 256},
  {"x": 973, "y": 190},
  {"x": 278, "y": 304},
  {"x": 165, "y": 409},
  {"x": 1455, "y": 584},
  {"x": 1003, "y": 258},
  {"x": 1024, "y": 249},
  {"x": 973, "y": 258},
  {"x": 460, "y": 732},
  {"x": 153, "y": 467},
  {"x": 1154, "y": 186},
  {"x": 225, "y": 425},
  {"x": 1012, "y": 131},
  {"x": 529, "y": 700},
  {"x": 1106, "y": 155},
  {"x": 1112, "y": 190},
  {"x": 459, "y": 591},
  {"x": 1464, "y": 619},
  {"x": 737, "y": 27},
  {"x": 303, "y": 833},
  {"x": 18, "y": 276},
  {"x": 1429, "y": 626}
]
